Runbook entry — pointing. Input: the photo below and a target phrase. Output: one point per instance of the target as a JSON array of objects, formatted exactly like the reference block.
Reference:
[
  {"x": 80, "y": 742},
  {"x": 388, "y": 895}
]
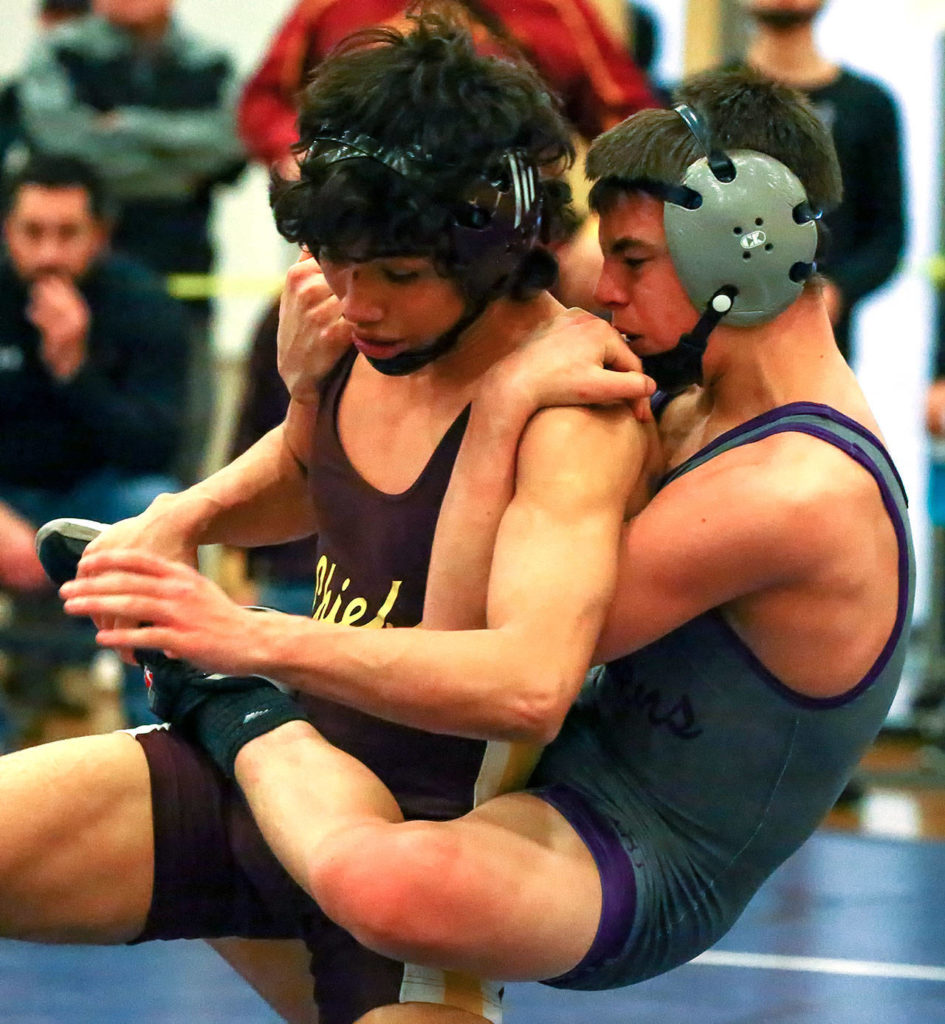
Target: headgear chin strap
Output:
[
  {"x": 493, "y": 223},
  {"x": 681, "y": 366},
  {"x": 415, "y": 359},
  {"x": 741, "y": 235}
]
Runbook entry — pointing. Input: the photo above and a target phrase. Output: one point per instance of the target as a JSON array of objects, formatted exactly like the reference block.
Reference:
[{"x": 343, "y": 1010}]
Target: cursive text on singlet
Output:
[{"x": 337, "y": 606}]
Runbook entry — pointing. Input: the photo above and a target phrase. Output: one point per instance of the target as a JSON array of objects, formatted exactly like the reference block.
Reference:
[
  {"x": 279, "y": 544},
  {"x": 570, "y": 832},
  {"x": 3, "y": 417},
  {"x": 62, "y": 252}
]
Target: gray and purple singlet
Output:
[{"x": 692, "y": 772}]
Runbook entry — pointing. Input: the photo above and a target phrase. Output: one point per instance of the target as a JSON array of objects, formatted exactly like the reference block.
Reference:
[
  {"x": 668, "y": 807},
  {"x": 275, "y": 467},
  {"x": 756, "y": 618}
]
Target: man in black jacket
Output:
[
  {"x": 867, "y": 230},
  {"x": 93, "y": 357}
]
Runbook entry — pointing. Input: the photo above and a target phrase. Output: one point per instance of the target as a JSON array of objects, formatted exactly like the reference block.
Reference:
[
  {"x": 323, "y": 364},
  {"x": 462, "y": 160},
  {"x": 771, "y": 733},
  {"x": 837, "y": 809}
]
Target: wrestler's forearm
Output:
[
  {"x": 259, "y": 498},
  {"x": 551, "y": 582},
  {"x": 488, "y": 684}
]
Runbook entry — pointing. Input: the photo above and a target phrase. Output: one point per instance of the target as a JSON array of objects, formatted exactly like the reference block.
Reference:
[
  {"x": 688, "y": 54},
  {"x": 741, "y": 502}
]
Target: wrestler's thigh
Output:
[
  {"x": 527, "y": 884},
  {"x": 76, "y": 843}
]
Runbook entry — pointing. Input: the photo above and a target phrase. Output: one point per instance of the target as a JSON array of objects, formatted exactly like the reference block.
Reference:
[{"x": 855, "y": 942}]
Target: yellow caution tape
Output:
[
  {"x": 211, "y": 286},
  {"x": 936, "y": 270}
]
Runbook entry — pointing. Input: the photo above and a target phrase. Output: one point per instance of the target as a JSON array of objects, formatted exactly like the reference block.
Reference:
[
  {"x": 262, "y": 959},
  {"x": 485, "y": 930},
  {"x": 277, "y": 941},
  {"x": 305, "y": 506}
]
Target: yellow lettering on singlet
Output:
[
  {"x": 330, "y": 605},
  {"x": 380, "y": 620}
]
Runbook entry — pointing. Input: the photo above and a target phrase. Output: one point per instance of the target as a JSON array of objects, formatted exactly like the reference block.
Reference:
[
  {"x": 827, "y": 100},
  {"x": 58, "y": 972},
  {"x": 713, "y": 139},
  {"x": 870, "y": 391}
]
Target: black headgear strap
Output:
[
  {"x": 719, "y": 162},
  {"x": 415, "y": 359},
  {"x": 681, "y": 366}
]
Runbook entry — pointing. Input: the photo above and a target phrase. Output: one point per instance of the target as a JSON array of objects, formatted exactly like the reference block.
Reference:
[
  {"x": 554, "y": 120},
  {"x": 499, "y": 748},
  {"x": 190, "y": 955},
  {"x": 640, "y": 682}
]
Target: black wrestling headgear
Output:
[{"x": 494, "y": 220}]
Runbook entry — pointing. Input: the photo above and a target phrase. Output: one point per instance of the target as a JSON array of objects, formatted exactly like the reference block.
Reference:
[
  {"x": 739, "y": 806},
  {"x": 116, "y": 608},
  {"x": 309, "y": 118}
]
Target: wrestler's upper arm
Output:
[
  {"x": 554, "y": 567},
  {"x": 720, "y": 533}
]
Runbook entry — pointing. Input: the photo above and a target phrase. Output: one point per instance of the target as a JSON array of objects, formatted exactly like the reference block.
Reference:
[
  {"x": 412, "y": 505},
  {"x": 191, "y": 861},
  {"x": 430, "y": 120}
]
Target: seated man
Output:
[
  {"x": 150, "y": 105},
  {"x": 92, "y": 360},
  {"x": 750, "y": 654}
]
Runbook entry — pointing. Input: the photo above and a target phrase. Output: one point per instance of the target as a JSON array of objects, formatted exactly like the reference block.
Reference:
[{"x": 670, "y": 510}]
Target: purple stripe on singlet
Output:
[
  {"x": 776, "y": 415},
  {"x": 869, "y": 464},
  {"x": 658, "y": 402},
  {"x": 618, "y": 883},
  {"x": 778, "y": 421}
]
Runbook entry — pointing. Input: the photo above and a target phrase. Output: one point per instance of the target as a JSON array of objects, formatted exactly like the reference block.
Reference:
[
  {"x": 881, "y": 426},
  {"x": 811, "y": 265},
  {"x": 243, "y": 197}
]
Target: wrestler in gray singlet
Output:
[{"x": 710, "y": 770}]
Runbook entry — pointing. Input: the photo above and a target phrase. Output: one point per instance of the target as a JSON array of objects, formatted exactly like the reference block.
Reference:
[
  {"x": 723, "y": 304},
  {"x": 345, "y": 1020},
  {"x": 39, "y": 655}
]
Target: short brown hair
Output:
[{"x": 743, "y": 110}]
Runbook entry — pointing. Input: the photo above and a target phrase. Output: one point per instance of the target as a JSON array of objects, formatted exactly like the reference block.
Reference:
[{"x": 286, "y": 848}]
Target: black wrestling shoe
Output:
[
  {"x": 219, "y": 713},
  {"x": 176, "y": 688},
  {"x": 60, "y": 544}
]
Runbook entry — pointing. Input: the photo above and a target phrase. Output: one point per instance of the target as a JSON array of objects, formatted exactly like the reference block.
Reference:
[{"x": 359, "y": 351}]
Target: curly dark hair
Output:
[{"x": 426, "y": 93}]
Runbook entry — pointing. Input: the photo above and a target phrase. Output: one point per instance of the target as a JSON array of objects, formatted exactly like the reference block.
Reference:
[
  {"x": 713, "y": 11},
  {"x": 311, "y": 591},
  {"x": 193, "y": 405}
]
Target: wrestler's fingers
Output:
[
  {"x": 642, "y": 410},
  {"x": 613, "y": 385},
  {"x": 138, "y": 638},
  {"x": 337, "y": 335},
  {"x": 617, "y": 353},
  {"x": 132, "y": 560},
  {"x": 300, "y": 275},
  {"x": 133, "y": 607},
  {"x": 115, "y": 582},
  {"x": 575, "y": 314}
]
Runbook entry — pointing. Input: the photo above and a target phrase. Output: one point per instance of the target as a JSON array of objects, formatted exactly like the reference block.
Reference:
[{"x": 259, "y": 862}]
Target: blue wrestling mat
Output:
[{"x": 850, "y": 931}]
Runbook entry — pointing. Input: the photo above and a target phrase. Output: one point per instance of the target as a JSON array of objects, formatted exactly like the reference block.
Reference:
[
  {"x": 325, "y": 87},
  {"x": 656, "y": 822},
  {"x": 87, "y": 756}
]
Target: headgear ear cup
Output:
[
  {"x": 755, "y": 233},
  {"x": 496, "y": 219},
  {"x": 741, "y": 235}
]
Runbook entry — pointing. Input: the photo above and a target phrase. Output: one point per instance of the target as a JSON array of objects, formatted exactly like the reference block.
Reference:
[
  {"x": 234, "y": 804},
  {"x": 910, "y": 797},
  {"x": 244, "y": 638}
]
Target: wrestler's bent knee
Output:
[{"x": 391, "y": 887}]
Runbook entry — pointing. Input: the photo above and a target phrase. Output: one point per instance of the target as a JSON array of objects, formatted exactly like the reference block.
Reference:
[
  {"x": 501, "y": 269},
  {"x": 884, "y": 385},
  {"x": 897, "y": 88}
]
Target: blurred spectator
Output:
[
  {"x": 567, "y": 41},
  {"x": 55, "y": 12},
  {"x": 151, "y": 107},
  {"x": 928, "y": 702},
  {"x": 643, "y": 30},
  {"x": 12, "y": 137},
  {"x": 281, "y": 576},
  {"x": 867, "y": 230},
  {"x": 92, "y": 361},
  {"x": 935, "y": 400}
]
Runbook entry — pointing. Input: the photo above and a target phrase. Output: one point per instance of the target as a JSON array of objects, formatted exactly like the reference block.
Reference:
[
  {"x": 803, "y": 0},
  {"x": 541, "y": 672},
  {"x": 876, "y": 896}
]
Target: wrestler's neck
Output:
[
  {"x": 791, "y": 56},
  {"x": 748, "y": 371},
  {"x": 499, "y": 330}
]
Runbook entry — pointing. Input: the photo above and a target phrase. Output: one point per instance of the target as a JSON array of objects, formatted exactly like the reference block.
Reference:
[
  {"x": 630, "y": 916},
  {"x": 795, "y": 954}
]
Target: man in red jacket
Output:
[{"x": 565, "y": 39}]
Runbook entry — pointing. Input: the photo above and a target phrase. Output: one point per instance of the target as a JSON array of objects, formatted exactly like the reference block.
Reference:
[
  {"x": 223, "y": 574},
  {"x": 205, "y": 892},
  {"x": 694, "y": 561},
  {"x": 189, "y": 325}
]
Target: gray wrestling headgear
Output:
[
  {"x": 742, "y": 237},
  {"x": 495, "y": 220}
]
